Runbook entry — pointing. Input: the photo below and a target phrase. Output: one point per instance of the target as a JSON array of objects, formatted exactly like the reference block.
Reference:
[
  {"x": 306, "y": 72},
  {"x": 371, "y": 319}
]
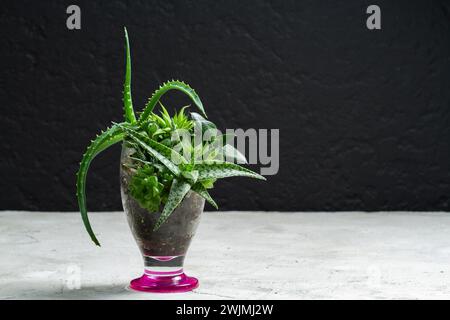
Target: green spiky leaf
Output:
[
  {"x": 154, "y": 153},
  {"x": 171, "y": 85},
  {"x": 106, "y": 139},
  {"x": 191, "y": 176},
  {"x": 177, "y": 193},
  {"x": 127, "y": 99},
  {"x": 181, "y": 121},
  {"x": 159, "y": 147},
  {"x": 219, "y": 170},
  {"x": 201, "y": 190}
]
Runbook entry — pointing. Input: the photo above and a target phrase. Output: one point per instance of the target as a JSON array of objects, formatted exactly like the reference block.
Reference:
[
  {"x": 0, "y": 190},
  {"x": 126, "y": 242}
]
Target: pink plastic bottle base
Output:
[{"x": 164, "y": 284}]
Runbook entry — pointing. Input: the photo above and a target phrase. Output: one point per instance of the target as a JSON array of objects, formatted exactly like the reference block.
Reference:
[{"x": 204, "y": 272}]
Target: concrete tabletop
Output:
[{"x": 235, "y": 255}]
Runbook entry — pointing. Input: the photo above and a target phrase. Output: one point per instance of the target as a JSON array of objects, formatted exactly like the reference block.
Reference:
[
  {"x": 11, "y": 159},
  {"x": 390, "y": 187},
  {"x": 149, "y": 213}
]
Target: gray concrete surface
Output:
[{"x": 236, "y": 255}]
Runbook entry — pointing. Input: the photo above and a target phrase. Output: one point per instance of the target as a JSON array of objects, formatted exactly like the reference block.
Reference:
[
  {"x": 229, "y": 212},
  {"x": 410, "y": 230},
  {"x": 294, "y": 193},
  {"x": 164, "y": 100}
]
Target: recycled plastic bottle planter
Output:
[{"x": 163, "y": 250}]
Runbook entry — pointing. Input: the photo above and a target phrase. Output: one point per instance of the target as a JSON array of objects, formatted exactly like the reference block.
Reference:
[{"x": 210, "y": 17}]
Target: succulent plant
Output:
[{"x": 161, "y": 175}]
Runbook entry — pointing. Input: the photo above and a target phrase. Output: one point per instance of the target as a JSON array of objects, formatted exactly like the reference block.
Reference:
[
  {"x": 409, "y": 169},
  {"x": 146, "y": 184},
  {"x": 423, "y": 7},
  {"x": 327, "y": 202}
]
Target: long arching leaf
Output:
[
  {"x": 171, "y": 85},
  {"x": 103, "y": 141},
  {"x": 127, "y": 99}
]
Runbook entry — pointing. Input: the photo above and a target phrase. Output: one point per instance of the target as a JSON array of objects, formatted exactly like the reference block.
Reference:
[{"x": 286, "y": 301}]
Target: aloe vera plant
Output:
[{"x": 161, "y": 176}]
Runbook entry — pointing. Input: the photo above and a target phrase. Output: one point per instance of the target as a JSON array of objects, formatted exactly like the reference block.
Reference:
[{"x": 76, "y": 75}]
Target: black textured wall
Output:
[{"x": 363, "y": 115}]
